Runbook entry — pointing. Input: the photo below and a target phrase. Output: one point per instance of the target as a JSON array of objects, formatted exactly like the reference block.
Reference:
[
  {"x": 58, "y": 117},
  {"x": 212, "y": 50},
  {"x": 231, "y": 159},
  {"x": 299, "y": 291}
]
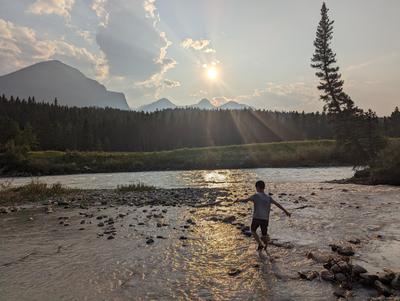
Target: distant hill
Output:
[
  {"x": 233, "y": 105},
  {"x": 204, "y": 104},
  {"x": 54, "y": 79},
  {"x": 159, "y": 105}
]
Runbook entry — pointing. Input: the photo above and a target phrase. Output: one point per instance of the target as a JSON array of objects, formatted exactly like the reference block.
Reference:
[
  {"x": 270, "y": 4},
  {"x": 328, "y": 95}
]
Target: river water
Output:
[
  {"x": 43, "y": 260},
  {"x": 223, "y": 178}
]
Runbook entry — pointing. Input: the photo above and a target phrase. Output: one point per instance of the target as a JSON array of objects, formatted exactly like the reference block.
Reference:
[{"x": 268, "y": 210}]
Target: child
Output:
[{"x": 262, "y": 206}]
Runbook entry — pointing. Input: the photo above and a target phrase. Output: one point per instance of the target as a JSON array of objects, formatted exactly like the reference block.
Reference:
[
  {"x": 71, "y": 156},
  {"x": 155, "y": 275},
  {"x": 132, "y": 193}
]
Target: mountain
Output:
[
  {"x": 233, "y": 105},
  {"x": 203, "y": 104},
  {"x": 54, "y": 79},
  {"x": 159, "y": 105}
]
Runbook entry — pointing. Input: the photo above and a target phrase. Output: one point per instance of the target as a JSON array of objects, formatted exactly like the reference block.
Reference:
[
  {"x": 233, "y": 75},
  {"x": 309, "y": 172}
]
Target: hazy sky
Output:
[{"x": 258, "y": 51}]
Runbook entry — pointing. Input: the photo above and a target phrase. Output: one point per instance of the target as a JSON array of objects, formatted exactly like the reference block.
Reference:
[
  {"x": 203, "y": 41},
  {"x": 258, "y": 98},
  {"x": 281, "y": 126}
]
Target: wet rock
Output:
[
  {"x": 339, "y": 292},
  {"x": 4, "y": 210},
  {"x": 382, "y": 288},
  {"x": 327, "y": 275},
  {"x": 234, "y": 272},
  {"x": 387, "y": 276},
  {"x": 342, "y": 250},
  {"x": 354, "y": 241},
  {"x": 308, "y": 275},
  {"x": 340, "y": 277},
  {"x": 395, "y": 283},
  {"x": 149, "y": 241},
  {"x": 357, "y": 270},
  {"x": 368, "y": 279}
]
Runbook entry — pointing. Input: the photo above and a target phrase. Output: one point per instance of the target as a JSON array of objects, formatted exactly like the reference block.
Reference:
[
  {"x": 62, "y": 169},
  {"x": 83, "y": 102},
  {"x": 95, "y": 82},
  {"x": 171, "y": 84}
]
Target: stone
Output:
[
  {"x": 327, "y": 275},
  {"x": 395, "y": 283},
  {"x": 149, "y": 241},
  {"x": 308, "y": 275},
  {"x": 183, "y": 238},
  {"x": 368, "y": 279},
  {"x": 357, "y": 270},
  {"x": 339, "y": 292},
  {"x": 340, "y": 277},
  {"x": 234, "y": 272},
  {"x": 354, "y": 241},
  {"x": 229, "y": 219},
  {"x": 110, "y": 237},
  {"x": 387, "y": 276},
  {"x": 382, "y": 288},
  {"x": 101, "y": 224},
  {"x": 342, "y": 250}
]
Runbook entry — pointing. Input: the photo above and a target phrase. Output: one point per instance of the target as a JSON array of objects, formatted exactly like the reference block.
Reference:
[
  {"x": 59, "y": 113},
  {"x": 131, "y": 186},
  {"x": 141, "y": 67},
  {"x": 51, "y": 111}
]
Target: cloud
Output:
[
  {"x": 195, "y": 44},
  {"x": 56, "y": 7},
  {"x": 285, "y": 97},
  {"x": 98, "y": 6},
  {"x": 135, "y": 47},
  {"x": 20, "y": 46}
]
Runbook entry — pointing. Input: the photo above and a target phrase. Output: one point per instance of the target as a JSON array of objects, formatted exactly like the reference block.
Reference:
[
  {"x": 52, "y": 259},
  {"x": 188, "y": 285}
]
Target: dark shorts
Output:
[{"x": 262, "y": 223}]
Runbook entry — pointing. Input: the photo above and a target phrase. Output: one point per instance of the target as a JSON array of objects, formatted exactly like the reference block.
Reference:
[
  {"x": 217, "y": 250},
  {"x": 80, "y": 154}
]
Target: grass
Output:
[
  {"x": 280, "y": 154},
  {"x": 134, "y": 187},
  {"x": 33, "y": 191}
]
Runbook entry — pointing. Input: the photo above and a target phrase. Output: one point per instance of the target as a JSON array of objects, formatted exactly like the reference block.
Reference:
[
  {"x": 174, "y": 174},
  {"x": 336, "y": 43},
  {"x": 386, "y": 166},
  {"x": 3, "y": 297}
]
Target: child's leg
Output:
[
  {"x": 264, "y": 232},
  {"x": 254, "y": 226}
]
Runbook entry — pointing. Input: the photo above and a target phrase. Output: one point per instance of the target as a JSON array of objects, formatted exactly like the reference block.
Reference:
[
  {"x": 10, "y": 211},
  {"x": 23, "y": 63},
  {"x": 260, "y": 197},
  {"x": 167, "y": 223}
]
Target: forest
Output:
[{"x": 49, "y": 126}]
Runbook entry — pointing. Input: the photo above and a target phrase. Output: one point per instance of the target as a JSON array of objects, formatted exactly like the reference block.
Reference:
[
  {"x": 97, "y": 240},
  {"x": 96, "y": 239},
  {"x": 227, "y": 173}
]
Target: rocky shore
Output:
[{"x": 181, "y": 218}]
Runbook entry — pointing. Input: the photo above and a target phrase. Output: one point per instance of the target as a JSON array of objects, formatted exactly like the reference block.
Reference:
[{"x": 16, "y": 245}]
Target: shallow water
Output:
[
  {"x": 43, "y": 260},
  {"x": 194, "y": 178}
]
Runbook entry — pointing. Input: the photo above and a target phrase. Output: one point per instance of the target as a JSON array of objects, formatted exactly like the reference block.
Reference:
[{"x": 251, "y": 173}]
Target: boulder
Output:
[
  {"x": 327, "y": 275},
  {"x": 382, "y": 288},
  {"x": 357, "y": 270}
]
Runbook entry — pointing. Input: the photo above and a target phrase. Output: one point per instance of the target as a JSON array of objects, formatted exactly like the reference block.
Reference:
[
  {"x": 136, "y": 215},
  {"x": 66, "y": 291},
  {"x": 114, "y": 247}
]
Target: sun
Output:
[{"x": 212, "y": 73}]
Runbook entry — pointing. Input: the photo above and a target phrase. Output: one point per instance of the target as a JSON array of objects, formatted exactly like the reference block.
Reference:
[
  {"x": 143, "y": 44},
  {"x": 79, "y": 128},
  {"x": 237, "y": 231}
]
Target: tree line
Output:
[{"x": 48, "y": 126}]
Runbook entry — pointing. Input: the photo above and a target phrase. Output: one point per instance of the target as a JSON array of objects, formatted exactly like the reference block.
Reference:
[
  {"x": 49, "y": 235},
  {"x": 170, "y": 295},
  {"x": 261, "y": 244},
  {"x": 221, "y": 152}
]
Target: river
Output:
[{"x": 41, "y": 259}]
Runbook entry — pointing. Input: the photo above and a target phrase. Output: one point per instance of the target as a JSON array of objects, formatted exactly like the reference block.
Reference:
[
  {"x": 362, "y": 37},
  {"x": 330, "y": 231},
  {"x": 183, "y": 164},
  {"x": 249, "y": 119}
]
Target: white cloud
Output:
[
  {"x": 57, "y": 7},
  {"x": 195, "y": 44},
  {"x": 20, "y": 46},
  {"x": 98, "y": 6}
]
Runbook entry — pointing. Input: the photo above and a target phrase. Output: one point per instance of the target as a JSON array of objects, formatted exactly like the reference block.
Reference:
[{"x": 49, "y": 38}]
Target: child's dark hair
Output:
[{"x": 260, "y": 184}]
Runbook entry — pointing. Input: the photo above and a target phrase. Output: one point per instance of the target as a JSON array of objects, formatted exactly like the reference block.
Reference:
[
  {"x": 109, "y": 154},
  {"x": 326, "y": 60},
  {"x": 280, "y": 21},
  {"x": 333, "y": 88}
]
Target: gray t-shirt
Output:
[{"x": 262, "y": 205}]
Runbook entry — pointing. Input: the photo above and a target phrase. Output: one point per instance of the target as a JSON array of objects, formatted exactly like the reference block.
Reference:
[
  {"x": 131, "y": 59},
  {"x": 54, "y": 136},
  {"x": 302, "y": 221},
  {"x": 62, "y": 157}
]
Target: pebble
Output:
[
  {"x": 149, "y": 241},
  {"x": 234, "y": 272}
]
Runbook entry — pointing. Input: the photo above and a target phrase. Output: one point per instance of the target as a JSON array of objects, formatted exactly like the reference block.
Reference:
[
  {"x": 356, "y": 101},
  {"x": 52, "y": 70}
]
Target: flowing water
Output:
[{"x": 43, "y": 260}]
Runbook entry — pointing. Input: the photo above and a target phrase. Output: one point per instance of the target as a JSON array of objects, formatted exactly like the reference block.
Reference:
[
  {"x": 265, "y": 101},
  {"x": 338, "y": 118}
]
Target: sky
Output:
[{"x": 255, "y": 52}]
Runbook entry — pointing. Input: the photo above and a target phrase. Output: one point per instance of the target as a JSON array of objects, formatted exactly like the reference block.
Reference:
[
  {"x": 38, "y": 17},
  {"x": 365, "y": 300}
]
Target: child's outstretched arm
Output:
[{"x": 281, "y": 207}]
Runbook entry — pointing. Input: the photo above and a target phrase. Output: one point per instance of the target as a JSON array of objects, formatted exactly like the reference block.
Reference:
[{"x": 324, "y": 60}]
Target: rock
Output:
[
  {"x": 30, "y": 219},
  {"x": 110, "y": 237},
  {"x": 368, "y": 279},
  {"x": 355, "y": 241},
  {"x": 342, "y": 250},
  {"x": 335, "y": 268},
  {"x": 229, "y": 219},
  {"x": 382, "y": 288},
  {"x": 396, "y": 282},
  {"x": 122, "y": 215},
  {"x": 149, "y": 241},
  {"x": 4, "y": 210},
  {"x": 340, "y": 277},
  {"x": 80, "y": 229},
  {"x": 101, "y": 224},
  {"x": 327, "y": 275},
  {"x": 183, "y": 238},
  {"x": 308, "y": 275},
  {"x": 387, "y": 276},
  {"x": 339, "y": 292},
  {"x": 357, "y": 270},
  {"x": 234, "y": 272}
]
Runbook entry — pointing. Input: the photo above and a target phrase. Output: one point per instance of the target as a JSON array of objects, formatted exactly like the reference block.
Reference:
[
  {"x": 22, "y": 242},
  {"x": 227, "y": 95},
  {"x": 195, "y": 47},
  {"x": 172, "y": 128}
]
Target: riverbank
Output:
[
  {"x": 283, "y": 154},
  {"x": 192, "y": 244}
]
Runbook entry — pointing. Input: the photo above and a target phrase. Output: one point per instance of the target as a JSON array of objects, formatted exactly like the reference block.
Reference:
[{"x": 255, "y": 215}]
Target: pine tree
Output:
[{"x": 324, "y": 59}]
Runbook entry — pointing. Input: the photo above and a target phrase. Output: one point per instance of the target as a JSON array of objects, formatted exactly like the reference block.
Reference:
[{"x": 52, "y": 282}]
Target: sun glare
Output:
[{"x": 212, "y": 73}]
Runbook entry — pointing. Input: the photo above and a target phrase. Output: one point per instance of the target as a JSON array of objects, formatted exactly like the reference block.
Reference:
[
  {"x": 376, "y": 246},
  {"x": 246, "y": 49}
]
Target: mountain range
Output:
[
  {"x": 53, "y": 79},
  {"x": 204, "y": 104}
]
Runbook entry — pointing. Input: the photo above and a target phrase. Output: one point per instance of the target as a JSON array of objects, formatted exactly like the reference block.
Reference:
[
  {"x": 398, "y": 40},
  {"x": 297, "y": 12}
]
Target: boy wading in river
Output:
[{"x": 262, "y": 207}]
